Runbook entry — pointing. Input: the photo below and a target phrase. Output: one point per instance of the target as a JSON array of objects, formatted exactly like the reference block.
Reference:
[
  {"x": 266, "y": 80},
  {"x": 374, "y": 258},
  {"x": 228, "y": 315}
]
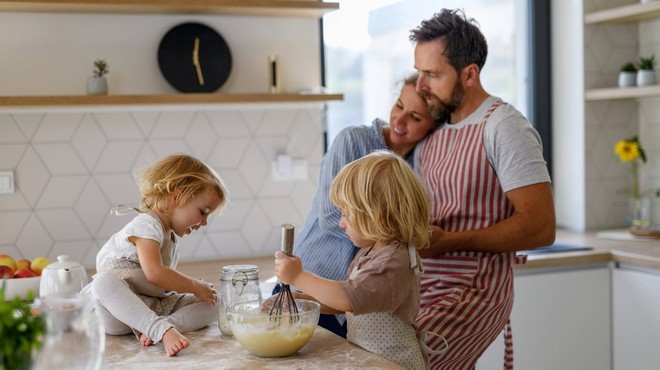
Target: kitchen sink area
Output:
[{"x": 557, "y": 248}]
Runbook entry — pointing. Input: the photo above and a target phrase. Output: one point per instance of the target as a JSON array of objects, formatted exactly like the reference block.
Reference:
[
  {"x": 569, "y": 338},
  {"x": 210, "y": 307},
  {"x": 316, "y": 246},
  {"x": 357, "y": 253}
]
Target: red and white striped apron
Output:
[{"x": 466, "y": 296}]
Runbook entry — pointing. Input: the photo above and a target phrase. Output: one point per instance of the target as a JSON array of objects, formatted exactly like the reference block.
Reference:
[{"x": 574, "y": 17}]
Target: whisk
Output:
[{"x": 284, "y": 300}]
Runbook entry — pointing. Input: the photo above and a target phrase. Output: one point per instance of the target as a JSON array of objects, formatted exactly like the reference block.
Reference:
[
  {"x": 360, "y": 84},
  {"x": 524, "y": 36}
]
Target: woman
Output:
[{"x": 322, "y": 245}]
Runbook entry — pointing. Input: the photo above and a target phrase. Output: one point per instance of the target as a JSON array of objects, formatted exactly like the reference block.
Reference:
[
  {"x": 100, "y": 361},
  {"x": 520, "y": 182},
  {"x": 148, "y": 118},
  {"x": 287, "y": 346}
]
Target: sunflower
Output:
[{"x": 628, "y": 150}]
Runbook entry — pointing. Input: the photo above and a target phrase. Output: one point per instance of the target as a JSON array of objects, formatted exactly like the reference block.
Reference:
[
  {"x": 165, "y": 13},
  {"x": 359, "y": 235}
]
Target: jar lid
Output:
[{"x": 251, "y": 272}]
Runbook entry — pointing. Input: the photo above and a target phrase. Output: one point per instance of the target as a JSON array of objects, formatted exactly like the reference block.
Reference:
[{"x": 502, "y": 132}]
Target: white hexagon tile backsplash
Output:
[{"x": 72, "y": 167}]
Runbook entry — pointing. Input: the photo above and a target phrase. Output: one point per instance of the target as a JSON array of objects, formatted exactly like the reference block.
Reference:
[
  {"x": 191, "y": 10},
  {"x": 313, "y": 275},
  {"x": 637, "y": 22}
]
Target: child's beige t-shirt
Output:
[{"x": 385, "y": 282}]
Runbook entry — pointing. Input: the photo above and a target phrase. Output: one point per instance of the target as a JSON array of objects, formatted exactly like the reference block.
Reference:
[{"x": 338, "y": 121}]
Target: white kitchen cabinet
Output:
[
  {"x": 636, "y": 319},
  {"x": 560, "y": 320}
]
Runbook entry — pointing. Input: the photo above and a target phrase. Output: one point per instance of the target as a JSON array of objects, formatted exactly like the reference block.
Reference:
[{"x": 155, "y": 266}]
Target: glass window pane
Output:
[{"x": 368, "y": 53}]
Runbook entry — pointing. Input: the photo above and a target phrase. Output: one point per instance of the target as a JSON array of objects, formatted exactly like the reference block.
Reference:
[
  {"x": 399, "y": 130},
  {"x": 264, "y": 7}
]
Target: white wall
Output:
[
  {"x": 51, "y": 54},
  {"x": 73, "y": 164},
  {"x": 568, "y": 113}
]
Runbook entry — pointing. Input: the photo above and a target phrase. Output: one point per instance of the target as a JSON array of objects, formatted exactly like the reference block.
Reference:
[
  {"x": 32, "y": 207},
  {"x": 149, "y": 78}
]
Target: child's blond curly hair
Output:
[
  {"x": 181, "y": 178},
  {"x": 383, "y": 199}
]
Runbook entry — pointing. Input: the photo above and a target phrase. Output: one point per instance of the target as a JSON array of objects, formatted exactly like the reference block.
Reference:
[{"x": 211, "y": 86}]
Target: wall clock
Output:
[{"x": 194, "y": 58}]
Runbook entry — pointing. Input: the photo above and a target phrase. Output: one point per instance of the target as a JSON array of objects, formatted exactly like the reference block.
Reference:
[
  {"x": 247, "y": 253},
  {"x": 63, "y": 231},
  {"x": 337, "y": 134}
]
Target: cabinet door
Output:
[
  {"x": 560, "y": 320},
  {"x": 636, "y": 319}
]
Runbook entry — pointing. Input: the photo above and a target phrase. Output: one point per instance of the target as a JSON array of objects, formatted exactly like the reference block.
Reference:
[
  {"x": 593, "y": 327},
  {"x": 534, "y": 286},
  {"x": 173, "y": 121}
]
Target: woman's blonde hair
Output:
[
  {"x": 383, "y": 199},
  {"x": 181, "y": 178}
]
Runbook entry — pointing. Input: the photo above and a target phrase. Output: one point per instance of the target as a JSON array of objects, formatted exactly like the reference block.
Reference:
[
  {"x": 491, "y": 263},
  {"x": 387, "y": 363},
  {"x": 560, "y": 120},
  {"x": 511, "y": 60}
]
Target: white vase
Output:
[
  {"x": 97, "y": 86},
  {"x": 645, "y": 78},
  {"x": 627, "y": 79}
]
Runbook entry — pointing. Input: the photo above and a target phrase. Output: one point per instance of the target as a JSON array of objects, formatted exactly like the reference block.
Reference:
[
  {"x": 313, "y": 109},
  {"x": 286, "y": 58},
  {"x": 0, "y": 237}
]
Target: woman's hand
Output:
[
  {"x": 287, "y": 268},
  {"x": 205, "y": 291}
]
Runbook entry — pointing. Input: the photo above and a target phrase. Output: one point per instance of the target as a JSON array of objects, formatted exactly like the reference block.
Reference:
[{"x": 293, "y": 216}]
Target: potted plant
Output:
[
  {"x": 97, "y": 84},
  {"x": 646, "y": 73},
  {"x": 628, "y": 75},
  {"x": 21, "y": 332}
]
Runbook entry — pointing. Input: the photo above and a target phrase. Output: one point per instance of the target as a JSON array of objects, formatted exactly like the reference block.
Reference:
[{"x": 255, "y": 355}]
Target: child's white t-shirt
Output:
[{"x": 146, "y": 226}]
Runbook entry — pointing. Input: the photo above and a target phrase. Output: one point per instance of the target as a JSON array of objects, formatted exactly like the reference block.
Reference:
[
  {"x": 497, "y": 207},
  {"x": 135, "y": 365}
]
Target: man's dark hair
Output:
[{"x": 464, "y": 42}]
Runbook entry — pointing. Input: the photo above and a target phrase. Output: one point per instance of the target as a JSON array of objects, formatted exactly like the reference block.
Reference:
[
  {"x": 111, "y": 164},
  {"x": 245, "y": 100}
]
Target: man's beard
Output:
[{"x": 440, "y": 110}]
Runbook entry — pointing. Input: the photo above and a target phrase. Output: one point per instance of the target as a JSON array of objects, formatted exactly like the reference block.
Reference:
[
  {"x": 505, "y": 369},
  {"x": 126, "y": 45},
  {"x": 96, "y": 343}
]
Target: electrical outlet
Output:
[
  {"x": 295, "y": 169},
  {"x": 6, "y": 182}
]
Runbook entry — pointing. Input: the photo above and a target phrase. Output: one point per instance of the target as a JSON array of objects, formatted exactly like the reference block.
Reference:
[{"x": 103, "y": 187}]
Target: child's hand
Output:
[
  {"x": 287, "y": 268},
  {"x": 205, "y": 292}
]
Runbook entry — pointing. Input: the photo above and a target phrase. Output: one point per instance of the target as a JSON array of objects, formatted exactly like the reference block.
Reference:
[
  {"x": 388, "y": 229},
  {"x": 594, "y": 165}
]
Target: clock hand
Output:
[{"x": 195, "y": 58}]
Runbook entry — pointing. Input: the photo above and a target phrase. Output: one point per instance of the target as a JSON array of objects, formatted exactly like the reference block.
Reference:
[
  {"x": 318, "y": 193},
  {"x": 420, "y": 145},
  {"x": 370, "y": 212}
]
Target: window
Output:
[{"x": 367, "y": 53}]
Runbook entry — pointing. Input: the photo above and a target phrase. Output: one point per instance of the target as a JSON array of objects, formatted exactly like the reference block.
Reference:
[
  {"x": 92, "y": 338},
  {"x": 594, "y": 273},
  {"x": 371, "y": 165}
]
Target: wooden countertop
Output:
[
  {"x": 325, "y": 350},
  {"x": 210, "y": 350},
  {"x": 638, "y": 252}
]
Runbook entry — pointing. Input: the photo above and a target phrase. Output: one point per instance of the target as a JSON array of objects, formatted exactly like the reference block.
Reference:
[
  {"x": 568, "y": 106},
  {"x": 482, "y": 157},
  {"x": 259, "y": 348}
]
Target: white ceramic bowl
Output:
[
  {"x": 20, "y": 287},
  {"x": 282, "y": 335}
]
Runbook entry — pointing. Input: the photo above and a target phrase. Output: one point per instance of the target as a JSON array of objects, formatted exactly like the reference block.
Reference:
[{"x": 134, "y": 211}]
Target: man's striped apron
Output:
[{"x": 466, "y": 296}]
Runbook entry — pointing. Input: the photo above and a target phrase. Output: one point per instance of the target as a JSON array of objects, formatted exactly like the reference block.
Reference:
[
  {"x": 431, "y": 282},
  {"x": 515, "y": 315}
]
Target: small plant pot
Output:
[
  {"x": 645, "y": 78},
  {"x": 97, "y": 86},
  {"x": 627, "y": 79}
]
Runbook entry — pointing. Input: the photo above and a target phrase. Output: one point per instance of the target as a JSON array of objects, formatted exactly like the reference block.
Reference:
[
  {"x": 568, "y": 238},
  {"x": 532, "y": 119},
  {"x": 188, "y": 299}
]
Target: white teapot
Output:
[{"x": 64, "y": 278}]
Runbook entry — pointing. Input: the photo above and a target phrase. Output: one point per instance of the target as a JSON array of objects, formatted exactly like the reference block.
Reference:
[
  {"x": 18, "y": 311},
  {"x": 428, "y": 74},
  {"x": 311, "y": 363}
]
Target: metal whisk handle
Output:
[{"x": 287, "y": 239}]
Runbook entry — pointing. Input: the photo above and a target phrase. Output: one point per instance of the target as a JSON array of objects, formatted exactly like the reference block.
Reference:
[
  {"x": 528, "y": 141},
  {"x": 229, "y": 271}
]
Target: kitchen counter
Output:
[
  {"x": 638, "y": 252},
  {"x": 325, "y": 350},
  {"x": 210, "y": 350}
]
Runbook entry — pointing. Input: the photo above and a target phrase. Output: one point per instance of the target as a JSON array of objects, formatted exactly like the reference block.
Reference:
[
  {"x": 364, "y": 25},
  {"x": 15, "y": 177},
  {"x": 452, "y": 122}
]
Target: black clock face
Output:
[{"x": 194, "y": 58}]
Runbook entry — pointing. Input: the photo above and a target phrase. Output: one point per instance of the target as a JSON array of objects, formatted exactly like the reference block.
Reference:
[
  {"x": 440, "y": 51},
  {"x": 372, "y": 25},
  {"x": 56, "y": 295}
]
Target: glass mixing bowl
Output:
[{"x": 265, "y": 335}]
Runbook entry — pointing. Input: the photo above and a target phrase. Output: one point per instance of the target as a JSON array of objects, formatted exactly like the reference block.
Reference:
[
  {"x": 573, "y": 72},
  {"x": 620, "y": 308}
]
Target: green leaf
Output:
[{"x": 20, "y": 330}]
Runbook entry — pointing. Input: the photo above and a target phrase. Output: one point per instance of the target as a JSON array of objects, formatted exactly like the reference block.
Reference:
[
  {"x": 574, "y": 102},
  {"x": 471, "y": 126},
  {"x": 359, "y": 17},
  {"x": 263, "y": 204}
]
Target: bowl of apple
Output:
[{"x": 21, "y": 278}]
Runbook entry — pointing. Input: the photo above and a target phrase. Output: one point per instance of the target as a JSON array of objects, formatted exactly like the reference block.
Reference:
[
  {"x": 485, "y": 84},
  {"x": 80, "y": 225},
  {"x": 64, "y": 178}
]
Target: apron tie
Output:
[
  {"x": 415, "y": 260},
  {"x": 122, "y": 210},
  {"x": 508, "y": 346}
]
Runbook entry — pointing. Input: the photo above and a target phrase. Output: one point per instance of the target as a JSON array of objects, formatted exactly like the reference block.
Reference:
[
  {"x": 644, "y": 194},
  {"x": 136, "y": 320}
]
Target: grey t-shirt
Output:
[{"x": 512, "y": 145}]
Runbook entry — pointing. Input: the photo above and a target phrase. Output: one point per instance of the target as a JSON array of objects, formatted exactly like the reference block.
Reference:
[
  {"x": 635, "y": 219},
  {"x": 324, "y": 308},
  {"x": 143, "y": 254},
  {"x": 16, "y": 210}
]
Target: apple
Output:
[
  {"x": 24, "y": 273},
  {"x": 6, "y": 272},
  {"x": 38, "y": 264},
  {"x": 23, "y": 263},
  {"x": 6, "y": 260}
]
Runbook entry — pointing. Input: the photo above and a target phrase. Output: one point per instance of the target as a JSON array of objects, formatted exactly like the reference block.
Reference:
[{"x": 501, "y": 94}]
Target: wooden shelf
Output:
[
  {"x": 625, "y": 14},
  {"x": 111, "y": 100},
  {"x": 623, "y": 93},
  {"x": 293, "y": 8}
]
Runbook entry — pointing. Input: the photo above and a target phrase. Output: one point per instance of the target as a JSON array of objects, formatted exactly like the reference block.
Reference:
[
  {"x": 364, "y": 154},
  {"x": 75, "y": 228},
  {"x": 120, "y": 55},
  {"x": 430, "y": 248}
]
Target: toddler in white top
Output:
[{"x": 137, "y": 288}]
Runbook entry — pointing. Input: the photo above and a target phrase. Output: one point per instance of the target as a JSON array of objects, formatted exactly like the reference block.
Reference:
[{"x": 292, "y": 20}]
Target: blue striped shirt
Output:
[{"x": 323, "y": 246}]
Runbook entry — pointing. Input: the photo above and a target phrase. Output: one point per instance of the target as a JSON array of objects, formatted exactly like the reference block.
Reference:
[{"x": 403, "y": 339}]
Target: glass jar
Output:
[
  {"x": 74, "y": 339},
  {"x": 238, "y": 283},
  {"x": 639, "y": 212}
]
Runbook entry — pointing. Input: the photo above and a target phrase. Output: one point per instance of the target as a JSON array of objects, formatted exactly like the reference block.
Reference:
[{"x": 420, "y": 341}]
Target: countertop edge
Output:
[{"x": 643, "y": 253}]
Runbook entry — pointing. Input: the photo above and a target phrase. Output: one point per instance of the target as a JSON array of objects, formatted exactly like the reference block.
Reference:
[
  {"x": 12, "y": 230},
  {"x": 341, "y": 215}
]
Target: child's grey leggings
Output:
[{"x": 122, "y": 307}]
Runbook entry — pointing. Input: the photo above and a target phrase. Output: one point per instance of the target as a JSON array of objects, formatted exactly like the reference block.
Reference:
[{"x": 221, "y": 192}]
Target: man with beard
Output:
[{"x": 490, "y": 191}]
